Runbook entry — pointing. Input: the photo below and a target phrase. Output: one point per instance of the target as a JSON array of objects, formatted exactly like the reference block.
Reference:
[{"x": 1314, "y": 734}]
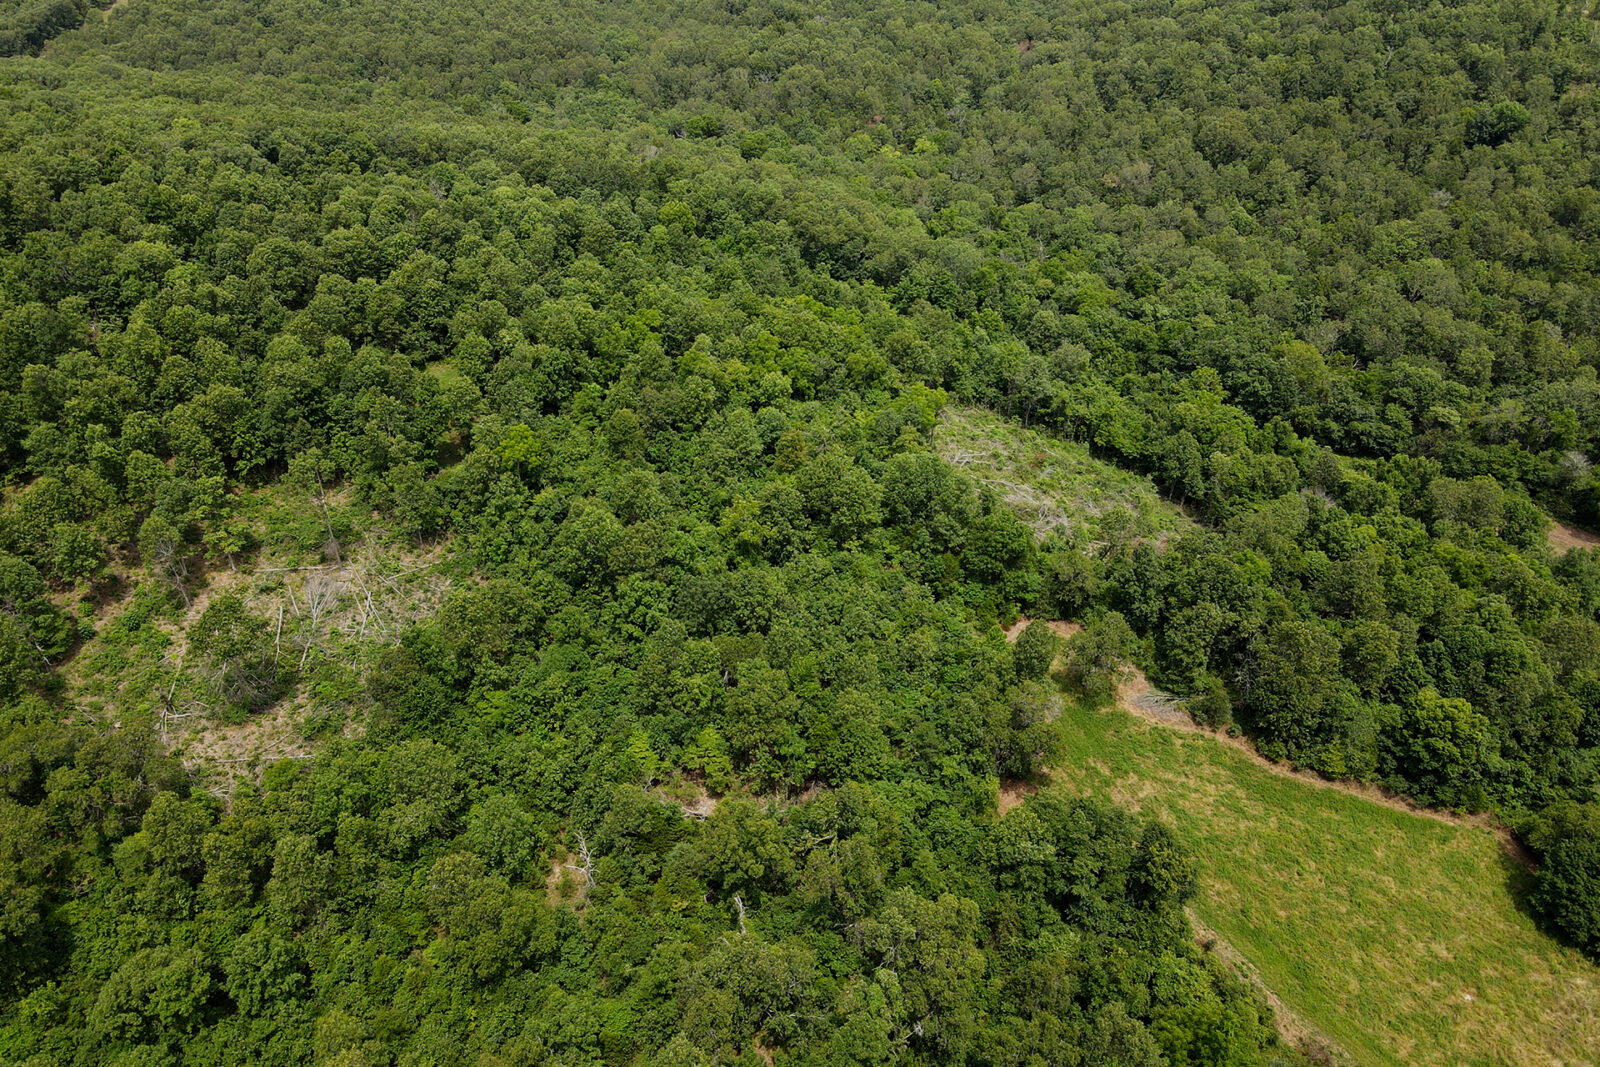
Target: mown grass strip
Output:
[{"x": 1397, "y": 935}]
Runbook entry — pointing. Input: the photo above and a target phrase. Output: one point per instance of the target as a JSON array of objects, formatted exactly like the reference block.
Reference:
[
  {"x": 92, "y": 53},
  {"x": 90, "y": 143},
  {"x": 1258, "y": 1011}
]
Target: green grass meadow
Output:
[
  {"x": 1055, "y": 486},
  {"x": 1396, "y": 935}
]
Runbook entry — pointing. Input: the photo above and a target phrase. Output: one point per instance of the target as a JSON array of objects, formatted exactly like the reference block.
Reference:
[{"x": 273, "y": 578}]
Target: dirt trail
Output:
[
  {"x": 1060, "y": 627},
  {"x": 1139, "y": 698},
  {"x": 1564, "y": 538}
]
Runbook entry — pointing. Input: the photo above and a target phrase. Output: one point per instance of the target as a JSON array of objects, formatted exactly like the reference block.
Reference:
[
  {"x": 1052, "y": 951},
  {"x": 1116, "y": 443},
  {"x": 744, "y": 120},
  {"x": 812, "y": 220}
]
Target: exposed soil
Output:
[
  {"x": 1564, "y": 538},
  {"x": 1060, "y": 627},
  {"x": 563, "y": 884},
  {"x": 1136, "y": 695},
  {"x": 691, "y": 797},
  {"x": 1013, "y": 791},
  {"x": 345, "y": 611},
  {"x": 366, "y": 600}
]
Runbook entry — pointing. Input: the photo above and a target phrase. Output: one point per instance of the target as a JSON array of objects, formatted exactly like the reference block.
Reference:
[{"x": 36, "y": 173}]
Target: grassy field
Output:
[
  {"x": 1054, "y": 485},
  {"x": 1394, "y": 934}
]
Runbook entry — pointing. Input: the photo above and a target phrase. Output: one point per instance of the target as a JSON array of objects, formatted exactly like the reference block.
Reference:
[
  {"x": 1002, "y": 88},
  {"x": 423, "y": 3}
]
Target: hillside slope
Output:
[
  {"x": 1057, "y": 487},
  {"x": 650, "y": 312},
  {"x": 1396, "y": 934}
]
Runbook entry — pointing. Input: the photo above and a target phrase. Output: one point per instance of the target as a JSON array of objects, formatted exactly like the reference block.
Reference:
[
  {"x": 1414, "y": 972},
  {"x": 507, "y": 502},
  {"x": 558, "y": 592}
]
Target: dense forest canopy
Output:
[{"x": 649, "y": 312}]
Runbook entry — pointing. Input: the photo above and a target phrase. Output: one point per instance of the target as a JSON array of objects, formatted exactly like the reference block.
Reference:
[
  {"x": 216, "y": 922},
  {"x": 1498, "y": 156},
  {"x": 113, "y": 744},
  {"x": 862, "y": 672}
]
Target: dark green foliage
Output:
[
  {"x": 1034, "y": 651},
  {"x": 27, "y": 26},
  {"x": 1163, "y": 875},
  {"x": 1494, "y": 124},
  {"x": 1568, "y": 892},
  {"x": 843, "y": 924},
  {"x": 1096, "y": 657},
  {"x": 651, "y": 313},
  {"x": 32, "y": 631},
  {"x": 1567, "y": 886},
  {"x": 1212, "y": 705}
]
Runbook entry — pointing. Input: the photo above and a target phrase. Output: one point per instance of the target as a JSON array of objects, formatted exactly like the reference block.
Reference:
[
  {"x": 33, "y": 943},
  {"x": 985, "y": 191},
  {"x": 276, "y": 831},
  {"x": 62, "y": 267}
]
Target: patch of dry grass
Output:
[{"x": 328, "y": 615}]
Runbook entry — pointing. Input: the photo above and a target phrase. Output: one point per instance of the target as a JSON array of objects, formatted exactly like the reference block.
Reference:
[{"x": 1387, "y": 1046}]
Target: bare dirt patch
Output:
[
  {"x": 1013, "y": 792},
  {"x": 1137, "y": 696},
  {"x": 691, "y": 797},
  {"x": 1564, "y": 538},
  {"x": 562, "y": 885},
  {"x": 217, "y": 583},
  {"x": 1060, "y": 627}
]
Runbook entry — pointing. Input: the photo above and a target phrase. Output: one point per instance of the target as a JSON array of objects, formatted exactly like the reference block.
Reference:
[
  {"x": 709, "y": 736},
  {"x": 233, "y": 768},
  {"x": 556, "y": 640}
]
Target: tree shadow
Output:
[{"x": 1520, "y": 882}]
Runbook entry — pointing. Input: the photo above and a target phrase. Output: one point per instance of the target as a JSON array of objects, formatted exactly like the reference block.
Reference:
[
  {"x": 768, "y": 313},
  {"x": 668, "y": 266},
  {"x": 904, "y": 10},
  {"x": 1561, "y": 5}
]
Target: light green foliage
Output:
[
  {"x": 708, "y": 754},
  {"x": 504, "y": 833},
  {"x": 1055, "y": 486},
  {"x": 262, "y": 970},
  {"x": 1294, "y": 695},
  {"x": 929, "y": 966},
  {"x": 163, "y": 552}
]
